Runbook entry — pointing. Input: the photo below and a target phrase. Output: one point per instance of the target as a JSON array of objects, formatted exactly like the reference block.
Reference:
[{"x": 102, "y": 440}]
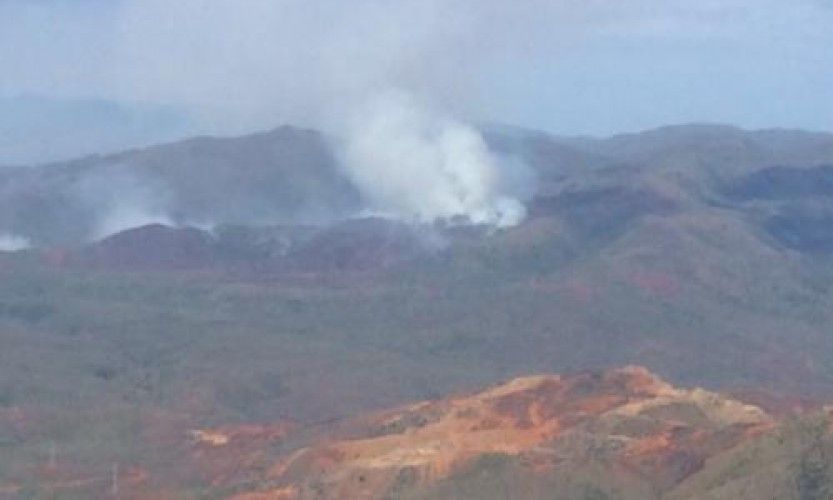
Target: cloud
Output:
[{"x": 257, "y": 60}]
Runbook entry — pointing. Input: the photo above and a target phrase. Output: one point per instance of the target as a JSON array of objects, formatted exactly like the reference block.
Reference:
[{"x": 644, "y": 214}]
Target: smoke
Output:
[
  {"x": 13, "y": 243},
  {"x": 120, "y": 199},
  {"x": 419, "y": 164},
  {"x": 392, "y": 84}
]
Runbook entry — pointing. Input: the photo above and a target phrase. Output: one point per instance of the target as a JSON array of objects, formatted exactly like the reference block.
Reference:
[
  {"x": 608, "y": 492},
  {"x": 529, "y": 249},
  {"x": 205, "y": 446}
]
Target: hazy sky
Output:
[{"x": 567, "y": 66}]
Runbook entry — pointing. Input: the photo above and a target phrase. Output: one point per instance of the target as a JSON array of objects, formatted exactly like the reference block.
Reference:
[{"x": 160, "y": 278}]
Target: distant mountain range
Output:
[{"x": 290, "y": 175}]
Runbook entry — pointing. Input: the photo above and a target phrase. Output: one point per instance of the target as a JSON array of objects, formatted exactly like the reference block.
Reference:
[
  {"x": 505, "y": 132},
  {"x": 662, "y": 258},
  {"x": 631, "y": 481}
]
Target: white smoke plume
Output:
[
  {"x": 121, "y": 199},
  {"x": 421, "y": 165},
  {"x": 13, "y": 243}
]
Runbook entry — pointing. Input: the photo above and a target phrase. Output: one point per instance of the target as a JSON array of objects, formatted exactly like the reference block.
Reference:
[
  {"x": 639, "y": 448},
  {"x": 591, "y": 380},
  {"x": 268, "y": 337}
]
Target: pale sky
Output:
[{"x": 567, "y": 66}]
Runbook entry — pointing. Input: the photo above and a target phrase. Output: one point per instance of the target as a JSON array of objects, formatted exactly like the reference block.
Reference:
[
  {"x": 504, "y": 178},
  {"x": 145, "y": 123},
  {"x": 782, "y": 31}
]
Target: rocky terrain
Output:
[
  {"x": 619, "y": 434},
  {"x": 637, "y": 435}
]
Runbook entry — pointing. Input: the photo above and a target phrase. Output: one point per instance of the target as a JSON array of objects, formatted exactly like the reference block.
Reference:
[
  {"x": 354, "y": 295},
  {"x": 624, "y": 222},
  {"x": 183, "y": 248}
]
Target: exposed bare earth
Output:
[{"x": 639, "y": 423}]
